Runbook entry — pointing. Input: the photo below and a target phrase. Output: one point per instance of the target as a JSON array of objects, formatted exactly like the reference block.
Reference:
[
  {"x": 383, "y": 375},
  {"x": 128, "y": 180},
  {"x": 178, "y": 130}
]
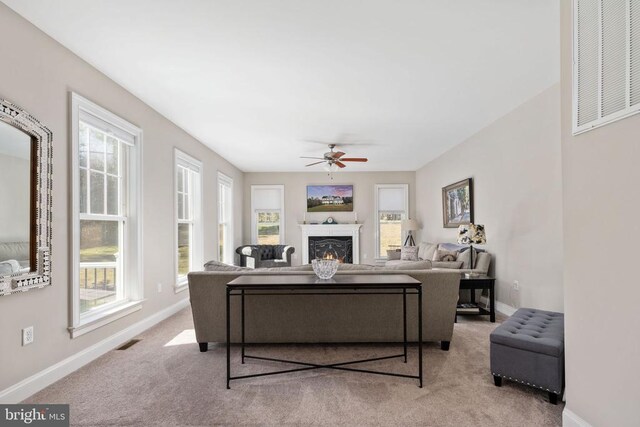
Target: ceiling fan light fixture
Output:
[{"x": 330, "y": 167}]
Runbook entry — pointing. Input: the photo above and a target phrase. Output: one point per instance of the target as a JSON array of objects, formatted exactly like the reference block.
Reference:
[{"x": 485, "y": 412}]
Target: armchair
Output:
[{"x": 263, "y": 256}]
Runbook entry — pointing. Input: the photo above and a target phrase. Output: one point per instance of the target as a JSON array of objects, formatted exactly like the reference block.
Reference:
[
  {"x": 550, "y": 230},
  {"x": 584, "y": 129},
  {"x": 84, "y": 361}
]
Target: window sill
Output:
[
  {"x": 181, "y": 287},
  {"x": 102, "y": 318}
]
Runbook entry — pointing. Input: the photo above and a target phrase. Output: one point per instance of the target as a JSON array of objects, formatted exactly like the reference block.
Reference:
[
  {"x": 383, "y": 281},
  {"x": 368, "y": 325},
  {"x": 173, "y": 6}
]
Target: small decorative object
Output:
[
  {"x": 304, "y": 218},
  {"x": 330, "y": 220},
  {"x": 472, "y": 234},
  {"x": 409, "y": 225},
  {"x": 457, "y": 204},
  {"x": 325, "y": 268},
  {"x": 355, "y": 217},
  {"x": 329, "y": 198}
]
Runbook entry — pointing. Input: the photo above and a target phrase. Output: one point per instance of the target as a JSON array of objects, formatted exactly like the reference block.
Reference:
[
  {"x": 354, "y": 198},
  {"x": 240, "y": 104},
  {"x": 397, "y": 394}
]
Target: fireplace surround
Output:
[{"x": 329, "y": 232}]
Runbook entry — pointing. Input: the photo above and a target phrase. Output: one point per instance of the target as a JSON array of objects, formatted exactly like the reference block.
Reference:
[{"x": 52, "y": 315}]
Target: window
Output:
[
  {"x": 106, "y": 211},
  {"x": 267, "y": 221},
  {"x": 188, "y": 208},
  {"x": 392, "y": 206},
  {"x": 225, "y": 218},
  {"x": 606, "y": 65}
]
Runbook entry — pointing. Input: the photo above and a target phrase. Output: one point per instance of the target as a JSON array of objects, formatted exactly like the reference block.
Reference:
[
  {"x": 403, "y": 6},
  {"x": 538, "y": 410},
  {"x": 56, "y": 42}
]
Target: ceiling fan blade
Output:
[
  {"x": 337, "y": 154},
  {"x": 316, "y": 163},
  {"x": 316, "y": 158},
  {"x": 354, "y": 159},
  {"x": 340, "y": 164}
]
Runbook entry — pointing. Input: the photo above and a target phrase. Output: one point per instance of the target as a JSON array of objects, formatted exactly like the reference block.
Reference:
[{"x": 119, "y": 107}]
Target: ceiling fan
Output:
[{"x": 336, "y": 158}]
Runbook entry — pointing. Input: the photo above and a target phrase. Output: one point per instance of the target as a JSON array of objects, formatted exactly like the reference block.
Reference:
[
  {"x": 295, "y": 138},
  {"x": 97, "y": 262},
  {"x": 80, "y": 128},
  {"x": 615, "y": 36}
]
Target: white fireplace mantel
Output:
[{"x": 352, "y": 230}]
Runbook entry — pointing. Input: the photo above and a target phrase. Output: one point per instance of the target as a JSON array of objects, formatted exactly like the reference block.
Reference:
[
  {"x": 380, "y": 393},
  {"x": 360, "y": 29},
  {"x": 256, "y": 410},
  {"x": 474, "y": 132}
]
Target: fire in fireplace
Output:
[{"x": 340, "y": 247}]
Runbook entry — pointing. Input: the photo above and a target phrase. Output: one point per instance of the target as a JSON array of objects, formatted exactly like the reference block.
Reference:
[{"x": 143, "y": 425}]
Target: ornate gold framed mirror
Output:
[{"x": 25, "y": 201}]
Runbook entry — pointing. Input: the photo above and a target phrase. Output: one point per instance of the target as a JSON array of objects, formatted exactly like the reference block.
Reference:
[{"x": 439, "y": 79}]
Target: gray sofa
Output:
[
  {"x": 318, "y": 319},
  {"x": 14, "y": 258},
  {"x": 426, "y": 251}
]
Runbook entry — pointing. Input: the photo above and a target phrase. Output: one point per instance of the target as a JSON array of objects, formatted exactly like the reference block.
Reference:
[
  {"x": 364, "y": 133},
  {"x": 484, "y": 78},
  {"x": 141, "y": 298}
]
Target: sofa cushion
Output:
[
  {"x": 306, "y": 267},
  {"x": 426, "y": 250},
  {"x": 532, "y": 330},
  {"x": 6, "y": 269},
  {"x": 354, "y": 267},
  {"x": 442, "y": 255},
  {"x": 446, "y": 264},
  {"x": 407, "y": 265},
  {"x": 409, "y": 253}
]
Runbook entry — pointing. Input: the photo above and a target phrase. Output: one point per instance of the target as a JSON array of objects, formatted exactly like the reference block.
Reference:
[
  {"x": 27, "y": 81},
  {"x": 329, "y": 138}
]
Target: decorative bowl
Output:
[{"x": 325, "y": 268}]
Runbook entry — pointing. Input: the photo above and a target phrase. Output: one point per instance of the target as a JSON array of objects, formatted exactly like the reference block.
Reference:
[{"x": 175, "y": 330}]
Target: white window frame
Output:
[
  {"x": 405, "y": 214},
  {"x": 132, "y": 272},
  {"x": 197, "y": 238},
  {"x": 226, "y": 181},
  {"x": 254, "y": 211},
  {"x": 609, "y": 118}
]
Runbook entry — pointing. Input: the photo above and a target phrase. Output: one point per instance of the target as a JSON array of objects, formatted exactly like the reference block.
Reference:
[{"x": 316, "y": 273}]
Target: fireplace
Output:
[
  {"x": 340, "y": 247},
  {"x": 331, "y": 231}
]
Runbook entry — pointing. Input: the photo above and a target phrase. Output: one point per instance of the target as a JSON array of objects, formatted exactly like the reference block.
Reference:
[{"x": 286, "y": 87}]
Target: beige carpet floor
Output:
[{"x": 165, "y": 380}]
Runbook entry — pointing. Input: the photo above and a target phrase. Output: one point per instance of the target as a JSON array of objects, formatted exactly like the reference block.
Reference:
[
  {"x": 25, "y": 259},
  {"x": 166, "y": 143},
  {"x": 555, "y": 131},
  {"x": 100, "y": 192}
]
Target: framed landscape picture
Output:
[
  {"x": 457, "y": 203},
  {"x": 329, "y": 198}
]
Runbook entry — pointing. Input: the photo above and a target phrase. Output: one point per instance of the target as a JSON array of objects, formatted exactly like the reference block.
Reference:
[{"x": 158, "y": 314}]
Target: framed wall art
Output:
[
  {"x": 457, "y": 203},
  {"x": 329, "y": 198}
]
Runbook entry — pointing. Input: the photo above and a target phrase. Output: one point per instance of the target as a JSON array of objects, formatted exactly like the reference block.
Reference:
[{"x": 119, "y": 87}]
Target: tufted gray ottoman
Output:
[{"x": 529, "y": 348}]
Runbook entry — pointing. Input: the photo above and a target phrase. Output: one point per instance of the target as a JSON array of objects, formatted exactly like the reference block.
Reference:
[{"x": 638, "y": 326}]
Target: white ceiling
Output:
[{"x": 254, "y": 79}]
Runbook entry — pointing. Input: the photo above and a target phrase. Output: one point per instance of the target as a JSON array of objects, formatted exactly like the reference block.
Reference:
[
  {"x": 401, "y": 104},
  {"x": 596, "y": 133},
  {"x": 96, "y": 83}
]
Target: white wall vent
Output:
[{"x": 606, "y": 62}]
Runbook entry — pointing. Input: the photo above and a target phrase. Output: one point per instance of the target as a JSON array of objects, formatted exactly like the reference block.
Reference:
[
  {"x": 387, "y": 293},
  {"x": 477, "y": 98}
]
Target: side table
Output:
[{"x": 474, "y": 282}]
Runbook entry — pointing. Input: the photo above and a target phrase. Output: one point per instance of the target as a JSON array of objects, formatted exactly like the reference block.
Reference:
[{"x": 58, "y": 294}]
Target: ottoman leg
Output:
[
  {"x": 204, "y": 346},
  {"x": 497, "y": 381},
  {"x": 553, "y": 398},
  {"x": 444, "y": 345}
]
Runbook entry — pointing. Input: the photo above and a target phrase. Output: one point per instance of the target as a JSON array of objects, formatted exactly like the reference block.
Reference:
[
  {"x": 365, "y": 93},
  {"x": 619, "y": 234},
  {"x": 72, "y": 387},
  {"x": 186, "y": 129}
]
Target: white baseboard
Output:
[
  {"x": 29, "y": 386},
  {"x": 500, "y": 307},
  {"x": 570, "y": 419}
]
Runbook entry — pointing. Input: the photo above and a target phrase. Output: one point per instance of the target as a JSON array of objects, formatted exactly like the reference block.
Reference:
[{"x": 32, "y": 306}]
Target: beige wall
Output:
[
  {"x": 516, "y": 169},
  {"x": 601, "y": 202},
  {"x": 37, "y": 74},
  {"x": 295, "y": 203}
]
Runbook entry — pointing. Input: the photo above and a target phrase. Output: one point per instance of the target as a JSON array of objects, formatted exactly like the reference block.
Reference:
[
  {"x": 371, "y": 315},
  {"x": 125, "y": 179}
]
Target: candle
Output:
[
  {"x": 356, "y": 213},
  {"x": 304, "y": 217}
]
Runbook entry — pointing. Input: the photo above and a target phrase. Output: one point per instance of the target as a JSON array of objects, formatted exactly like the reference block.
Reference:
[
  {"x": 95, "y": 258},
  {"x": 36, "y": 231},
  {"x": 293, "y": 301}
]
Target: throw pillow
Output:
[
  {"x": 409, "y": 253},
  {"x": 465, "y": 257},
  {"x": 426, "y": 250},
  {"x": 456, "y": 265},
  {"x": 393, "y": 255},
  {"x": 442, "y": 255}
]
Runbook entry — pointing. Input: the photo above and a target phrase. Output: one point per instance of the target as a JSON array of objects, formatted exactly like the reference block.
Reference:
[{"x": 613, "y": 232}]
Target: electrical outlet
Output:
[
  {"x": 27, "y": 335},
  {"x": 516, "y": 285},
  {"x": 159, "y": 287},
  {"x": 364, "y": 256}
]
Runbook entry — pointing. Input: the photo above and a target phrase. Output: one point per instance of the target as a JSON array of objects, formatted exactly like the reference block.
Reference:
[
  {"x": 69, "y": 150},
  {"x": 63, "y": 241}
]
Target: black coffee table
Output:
[
  {"x": 474, "y": 282},
  {"x": 383, "y": 285}
]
